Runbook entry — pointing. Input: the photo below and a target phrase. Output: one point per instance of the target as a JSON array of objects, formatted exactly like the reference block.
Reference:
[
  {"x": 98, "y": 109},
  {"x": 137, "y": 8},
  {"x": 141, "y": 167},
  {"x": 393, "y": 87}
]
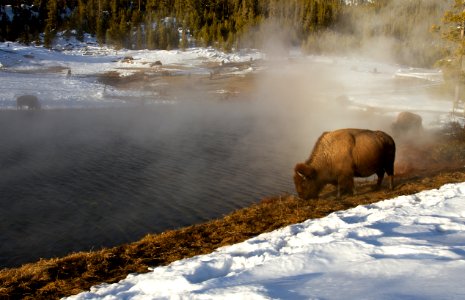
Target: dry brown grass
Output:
[{"x": 58, "y": 277}]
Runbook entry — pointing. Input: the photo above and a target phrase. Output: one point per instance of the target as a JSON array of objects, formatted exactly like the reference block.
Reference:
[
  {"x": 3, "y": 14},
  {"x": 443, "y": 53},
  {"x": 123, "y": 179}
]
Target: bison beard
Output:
[{"x": 341, "y": 155}]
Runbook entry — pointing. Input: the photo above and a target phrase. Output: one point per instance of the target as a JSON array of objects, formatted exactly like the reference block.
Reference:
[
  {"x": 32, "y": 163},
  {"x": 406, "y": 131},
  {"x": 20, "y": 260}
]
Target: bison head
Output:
[{"x": 306, "y": 181}]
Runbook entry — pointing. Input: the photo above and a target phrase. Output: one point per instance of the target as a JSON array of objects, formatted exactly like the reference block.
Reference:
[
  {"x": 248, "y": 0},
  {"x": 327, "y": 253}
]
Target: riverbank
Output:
[{"x": 441, "y": 161}]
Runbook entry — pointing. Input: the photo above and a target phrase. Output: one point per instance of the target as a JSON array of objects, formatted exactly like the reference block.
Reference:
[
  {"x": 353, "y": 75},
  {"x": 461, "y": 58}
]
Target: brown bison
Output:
[
  {"x": 407, "y": 125},
  {"x": 30, "y": 101},
  {"x": 341, "y": 155}
]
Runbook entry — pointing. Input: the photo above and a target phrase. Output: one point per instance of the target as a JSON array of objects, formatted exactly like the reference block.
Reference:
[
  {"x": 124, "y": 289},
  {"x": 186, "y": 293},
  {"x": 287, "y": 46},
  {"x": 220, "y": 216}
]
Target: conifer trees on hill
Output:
[
  {"x": 317, "y": 25},
  {"x": 452, "y": 30},
  {"x": 162, "y": 24}
]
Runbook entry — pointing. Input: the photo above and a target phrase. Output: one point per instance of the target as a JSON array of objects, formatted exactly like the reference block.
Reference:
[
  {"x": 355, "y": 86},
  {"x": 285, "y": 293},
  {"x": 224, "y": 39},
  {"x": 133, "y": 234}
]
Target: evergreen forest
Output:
[
  {"x": 410, "y": 30},
  {"x": 162, "y": 24}
]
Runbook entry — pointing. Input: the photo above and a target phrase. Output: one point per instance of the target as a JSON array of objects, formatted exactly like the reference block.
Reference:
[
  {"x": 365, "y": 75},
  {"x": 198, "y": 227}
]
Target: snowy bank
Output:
[
  {"x": 66, "y": 77},
  {"x": 407, "y": 247},
  {"x": 366, "y": 84}
]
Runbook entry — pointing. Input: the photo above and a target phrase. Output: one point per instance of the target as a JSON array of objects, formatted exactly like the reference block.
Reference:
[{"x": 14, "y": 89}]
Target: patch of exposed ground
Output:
[
  {"x": 170, "y": 82},
  {"x": 426, "y": 164}
]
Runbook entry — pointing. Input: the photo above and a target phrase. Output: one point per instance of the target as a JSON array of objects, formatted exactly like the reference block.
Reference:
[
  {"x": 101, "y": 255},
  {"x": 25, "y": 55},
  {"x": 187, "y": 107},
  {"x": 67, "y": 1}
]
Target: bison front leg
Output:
[{"x": 345, "y": 184}]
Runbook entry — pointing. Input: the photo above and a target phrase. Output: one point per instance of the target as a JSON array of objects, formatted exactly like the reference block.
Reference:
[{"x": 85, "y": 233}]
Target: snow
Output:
[
  {"x": 409, "y": 247},
  {"x": 31, "y": 69},
  {"x": 371, "y": 84},
  {"x": 87, "y": 57}
]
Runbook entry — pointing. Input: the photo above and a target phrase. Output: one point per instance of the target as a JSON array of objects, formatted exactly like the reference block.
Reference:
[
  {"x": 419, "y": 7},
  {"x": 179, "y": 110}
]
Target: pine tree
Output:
[
  {"x": 51, "y": 23},
  {"x": 214, "y": 22},
  {"x": 453, "y": 64},
  {"x": 162, "y": 35},
  {"x": 81, "y": 20},
  {"x": 184, "y": 41},
  {"x": 139, "y": 38},
  {"x": 123, "y": 31},
  {"x": 4, "y": 23},
  {"x": 453, "y": 33},
  {"x": 150, "y": 33}
]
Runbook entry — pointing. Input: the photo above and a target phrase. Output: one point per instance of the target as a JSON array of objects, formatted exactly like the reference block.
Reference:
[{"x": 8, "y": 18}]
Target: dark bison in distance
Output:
[
  {"x": 407, "y": 125},
  {"x": 29, "y": 101},
  {"x": 341, "y": 155}
]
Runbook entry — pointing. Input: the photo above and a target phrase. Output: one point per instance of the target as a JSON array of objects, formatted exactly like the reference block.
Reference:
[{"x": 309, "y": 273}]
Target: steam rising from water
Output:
[
  {"x": 98, "y": 178},
  {"x": 399, "y": 32},
  {"x": 303, "y": 98}
]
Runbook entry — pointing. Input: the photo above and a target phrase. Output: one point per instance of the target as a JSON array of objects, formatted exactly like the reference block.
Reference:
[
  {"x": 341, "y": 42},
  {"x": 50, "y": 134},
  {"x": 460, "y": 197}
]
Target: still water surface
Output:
[{"x": 73, "y": 180}]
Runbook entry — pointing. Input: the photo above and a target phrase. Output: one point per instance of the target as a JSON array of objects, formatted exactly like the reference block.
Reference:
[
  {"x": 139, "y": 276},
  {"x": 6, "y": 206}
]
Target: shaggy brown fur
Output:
[{"x": 341, "y": 155}]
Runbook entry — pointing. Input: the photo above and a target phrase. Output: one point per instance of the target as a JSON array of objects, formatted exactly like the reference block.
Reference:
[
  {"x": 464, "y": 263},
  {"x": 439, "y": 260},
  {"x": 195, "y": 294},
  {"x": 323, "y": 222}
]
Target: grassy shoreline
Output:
[{"x": 59, "y": 277}]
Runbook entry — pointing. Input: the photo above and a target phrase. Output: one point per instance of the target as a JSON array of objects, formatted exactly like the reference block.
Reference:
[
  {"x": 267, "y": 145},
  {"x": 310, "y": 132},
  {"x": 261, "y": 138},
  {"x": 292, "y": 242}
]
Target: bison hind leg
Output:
[
  {"x": 380, "y": 175},
  {"x": 390, "y": 173},
  {"x": 391, "y": 181}
]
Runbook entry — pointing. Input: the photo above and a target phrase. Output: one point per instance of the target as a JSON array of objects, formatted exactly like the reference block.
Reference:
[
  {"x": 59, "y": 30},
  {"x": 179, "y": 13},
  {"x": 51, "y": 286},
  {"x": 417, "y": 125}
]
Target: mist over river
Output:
[
  {"x": 79, "y": 179},
  {"x": 75, "y": 179}
]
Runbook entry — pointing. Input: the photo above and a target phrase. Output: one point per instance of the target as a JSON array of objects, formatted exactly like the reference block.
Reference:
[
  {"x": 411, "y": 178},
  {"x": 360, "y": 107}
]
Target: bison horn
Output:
[{"x": 301, "y": 175}]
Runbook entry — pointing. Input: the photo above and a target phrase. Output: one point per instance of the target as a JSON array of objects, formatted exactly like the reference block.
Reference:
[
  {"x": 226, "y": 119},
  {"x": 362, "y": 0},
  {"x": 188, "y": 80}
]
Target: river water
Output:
[
  {"x": 82, "y": 179},
  {"x": 78, "y": 179}
]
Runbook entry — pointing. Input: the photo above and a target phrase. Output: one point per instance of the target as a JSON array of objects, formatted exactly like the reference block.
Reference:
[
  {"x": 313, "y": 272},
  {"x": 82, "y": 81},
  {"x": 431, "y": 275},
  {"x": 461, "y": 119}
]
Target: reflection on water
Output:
[{"x": 74, "y": 180}]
